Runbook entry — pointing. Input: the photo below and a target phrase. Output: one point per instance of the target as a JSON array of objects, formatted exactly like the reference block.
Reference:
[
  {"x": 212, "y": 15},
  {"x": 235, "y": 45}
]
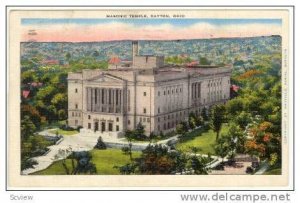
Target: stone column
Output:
[
  {"x": 115, "y": 99},
  {"x": 106, "y": 99},
  {"x": 121, "y": 101},
  {"x": 100, "y": 99},
  {"x": 87, "y": 99}
]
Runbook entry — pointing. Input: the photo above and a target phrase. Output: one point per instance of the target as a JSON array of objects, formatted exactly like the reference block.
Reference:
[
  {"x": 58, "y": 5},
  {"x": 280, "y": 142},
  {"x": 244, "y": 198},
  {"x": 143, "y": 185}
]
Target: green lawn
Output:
[
  {"x": 104, "y": 160},
  {"x": 275, "y": 171},
  {"x": 203, "y": 140},
  {"x": 64, "y": 132}
]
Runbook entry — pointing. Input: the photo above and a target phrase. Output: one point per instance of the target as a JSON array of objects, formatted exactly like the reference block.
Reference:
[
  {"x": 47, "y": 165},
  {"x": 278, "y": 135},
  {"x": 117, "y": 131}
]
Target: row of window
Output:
[
  {"x": 117, "y": 118},
  {"x": 76, "y": 114},
  {"x": 102, "y": 127}
]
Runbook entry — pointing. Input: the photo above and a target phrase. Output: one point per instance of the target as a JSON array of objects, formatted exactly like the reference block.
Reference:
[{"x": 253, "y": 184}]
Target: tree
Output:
[
  {"x": 234, "y": 106},
  {"x": 81, "y": 164},
  {"x": 243, "y": 119},
  {"x": 28, "y": 77},
  {"x": 62, "y": 115},
  {"x": 128, "y": 150},
  {"x": 192, "y": 121},
  {"x": 139, "y": 132},
  {"x": 32, "y": 113},
  {"x": 155, "y": 159},
  {"x": 100, "y": 144},
  {"x": 68, "y": 56},
  {"x": 127, "y": 169},
  {"x": 27, "y": 128},
  {"x": 60, "y": 101},
  {"x": 182, "y": 128},
  {"x": 204, "y": 61},
  {"x": 46, "y": 94},
  {"x": 204, "y": 114},
  {"x": 217, "y": 118},
  {"x": 222, "y": 147},
  {"x": 198, "y": 165}
]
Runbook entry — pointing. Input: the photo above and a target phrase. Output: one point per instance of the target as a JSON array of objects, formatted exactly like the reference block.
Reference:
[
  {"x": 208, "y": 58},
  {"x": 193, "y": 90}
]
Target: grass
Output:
[
  {"x": 105, "y": 160},
  {"x": 274, "y": 171},
  {"x": 64, "y": 132},
  {"x": 202, "y": 140}
]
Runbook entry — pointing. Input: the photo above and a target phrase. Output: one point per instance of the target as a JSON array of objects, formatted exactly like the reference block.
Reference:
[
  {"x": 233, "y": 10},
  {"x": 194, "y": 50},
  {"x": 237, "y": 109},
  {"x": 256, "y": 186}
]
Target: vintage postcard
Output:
[{"x": 150, "y": 97}]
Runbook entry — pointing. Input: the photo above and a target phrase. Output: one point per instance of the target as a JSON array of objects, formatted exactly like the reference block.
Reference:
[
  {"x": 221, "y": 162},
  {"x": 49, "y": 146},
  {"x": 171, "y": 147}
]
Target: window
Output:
[
  {"x": 145, "y": 93},
  {"x": 76, "y": 90},
  {"x": 128, "y": 122},
  {"x": 117, "y": 128},
  {"x": 72, "y": 114},
  {"x": 176, "y": 90},
  {"x": 145, "y": 111},
  {"x": 148, "y": 120},
  {"x": 110, "y": 127},
  {"x": 89, "y": 116},
  {"x": 158, "y": 127},
  {"x": 164, "y": 92},
  {"x": 168, "y": 92},
  {"x": 95, "y": 96},
  {"x": 158, "y": 110},
  {"x": 141, "y": 119},
  {"x": 158, "y": 93},
  {"x": 158, "y": 119},
  {"x": 89, "y": 125},
  {"x": 117, "y": 119},
  {"x": 76, "y": 106},
  {"x": 144, "y": 119},
  {"x": 76, "y": 122}
]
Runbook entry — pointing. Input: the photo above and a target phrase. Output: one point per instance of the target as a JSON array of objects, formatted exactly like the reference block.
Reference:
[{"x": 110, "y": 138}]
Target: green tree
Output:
[
  {"x": 204, "y": 61},
  {"x": 81, "y": 164},
  {"x": 128, "y": 150},
  {"x": 204, "y": 114},
  {"x": 243, "y": 119},
  {"x": 217, "y": 118},
  {"x": 27, "y": 128},
  {"x": 60, "y": 101}
]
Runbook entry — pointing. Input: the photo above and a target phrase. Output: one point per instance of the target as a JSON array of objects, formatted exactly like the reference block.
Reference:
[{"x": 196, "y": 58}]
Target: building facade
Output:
[{"x": 143, "y": 91}]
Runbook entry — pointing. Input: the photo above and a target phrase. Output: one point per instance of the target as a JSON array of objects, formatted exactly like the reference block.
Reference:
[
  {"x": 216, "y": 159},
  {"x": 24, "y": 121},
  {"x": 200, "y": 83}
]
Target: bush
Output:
[
  {"x": 28, "y": 163},
  {"x": 67, "y": 128},
  {"x": 249, "y": 170},
  {"x": 100, "y": 144}
]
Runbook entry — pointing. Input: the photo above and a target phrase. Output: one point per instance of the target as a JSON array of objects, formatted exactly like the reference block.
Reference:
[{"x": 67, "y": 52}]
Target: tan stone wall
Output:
[
  {"x": 169, "y": 91},
  {"x": 75, "y": 104}
]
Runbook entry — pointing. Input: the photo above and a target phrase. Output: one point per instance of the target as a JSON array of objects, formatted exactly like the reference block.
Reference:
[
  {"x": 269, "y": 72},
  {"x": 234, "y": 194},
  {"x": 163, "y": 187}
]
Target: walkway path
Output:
[{"x": 81, "y": 142}]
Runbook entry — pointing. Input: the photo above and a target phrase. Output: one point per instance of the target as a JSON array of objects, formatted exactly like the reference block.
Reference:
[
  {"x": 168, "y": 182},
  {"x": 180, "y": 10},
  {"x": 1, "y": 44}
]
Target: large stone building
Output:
[{"x": 144, "y": 90}]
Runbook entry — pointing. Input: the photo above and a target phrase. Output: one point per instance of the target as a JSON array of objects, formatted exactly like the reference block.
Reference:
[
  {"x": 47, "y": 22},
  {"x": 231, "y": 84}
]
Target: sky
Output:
[{"x": 87, "y": 30}]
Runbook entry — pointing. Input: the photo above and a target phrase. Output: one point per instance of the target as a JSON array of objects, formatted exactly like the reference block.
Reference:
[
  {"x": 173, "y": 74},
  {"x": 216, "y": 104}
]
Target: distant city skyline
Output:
[{"x": 85, "y": 30}]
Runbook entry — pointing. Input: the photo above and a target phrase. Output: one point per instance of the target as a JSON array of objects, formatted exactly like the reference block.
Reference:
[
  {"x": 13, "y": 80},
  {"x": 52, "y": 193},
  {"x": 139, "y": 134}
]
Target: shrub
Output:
[
  {"x": 249, "y": 170},
  {"x": 100, "y": 144}
]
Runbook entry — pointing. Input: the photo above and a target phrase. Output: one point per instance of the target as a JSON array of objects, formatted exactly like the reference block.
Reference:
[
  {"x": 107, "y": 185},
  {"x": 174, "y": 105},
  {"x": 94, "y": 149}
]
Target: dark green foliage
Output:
[
  {"x": 204, "y": 114},
  {"x": 100, "y": 144},
  {"x": 81, "y": 164},
  {"x": 217, "y": 117},
  {"x": 204, "y": 61},
  {"x": 28, "y": 163},
  {"x": 126, "y": 169},
  {"x": 198, "y": 165}
]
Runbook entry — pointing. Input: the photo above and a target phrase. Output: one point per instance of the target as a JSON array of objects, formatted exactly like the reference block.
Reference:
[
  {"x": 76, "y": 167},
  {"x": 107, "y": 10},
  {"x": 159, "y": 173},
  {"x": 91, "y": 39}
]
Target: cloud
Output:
[{"x": 122, "y": 31}]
